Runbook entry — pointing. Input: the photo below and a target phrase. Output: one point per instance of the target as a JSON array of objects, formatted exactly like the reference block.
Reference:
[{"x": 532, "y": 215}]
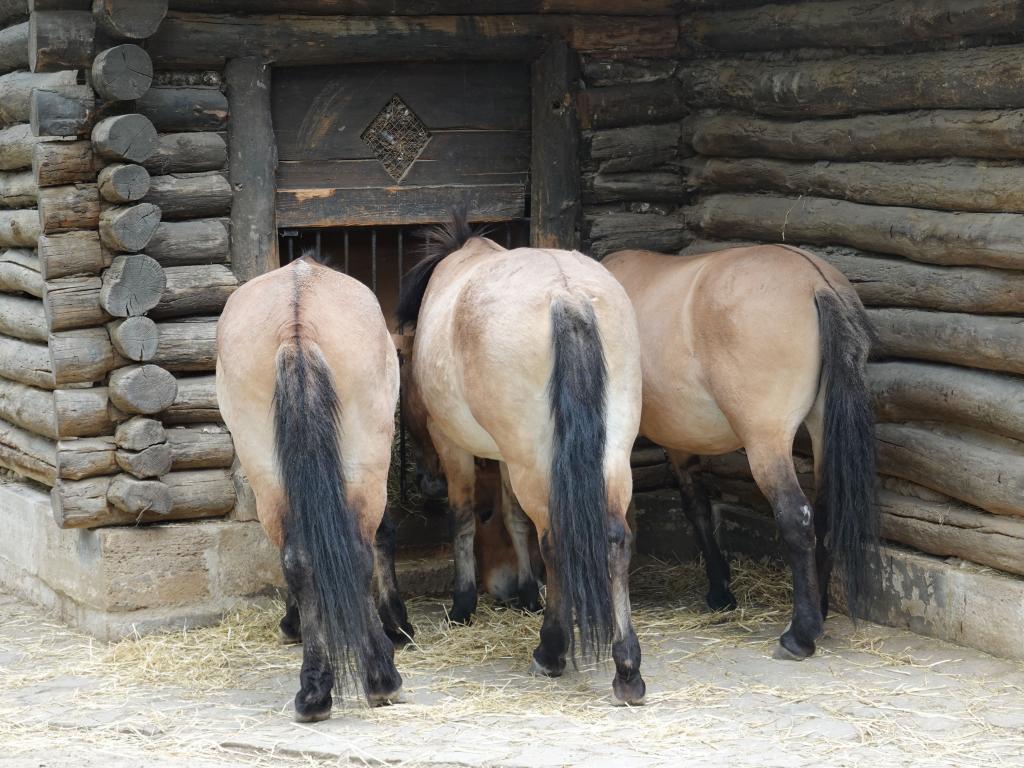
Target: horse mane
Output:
[{"x": 438, "y": 242}]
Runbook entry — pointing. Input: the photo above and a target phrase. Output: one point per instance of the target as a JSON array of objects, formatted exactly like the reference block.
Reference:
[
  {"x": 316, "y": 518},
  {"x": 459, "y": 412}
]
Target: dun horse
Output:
[
  {"x": 739, "y": 348},
  {"x": 307, "y": 381},
  {"x": 530, "y": 357}
]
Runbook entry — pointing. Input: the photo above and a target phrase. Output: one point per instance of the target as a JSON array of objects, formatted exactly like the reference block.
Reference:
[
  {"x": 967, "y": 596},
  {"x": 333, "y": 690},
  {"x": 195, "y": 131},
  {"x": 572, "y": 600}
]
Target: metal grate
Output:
[{"x": 397, "y": 137}]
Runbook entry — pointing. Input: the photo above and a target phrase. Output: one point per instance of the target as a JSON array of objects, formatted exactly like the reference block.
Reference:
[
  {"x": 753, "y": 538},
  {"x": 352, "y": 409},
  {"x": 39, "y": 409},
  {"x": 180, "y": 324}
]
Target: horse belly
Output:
[{"x": 687, "y": 419}]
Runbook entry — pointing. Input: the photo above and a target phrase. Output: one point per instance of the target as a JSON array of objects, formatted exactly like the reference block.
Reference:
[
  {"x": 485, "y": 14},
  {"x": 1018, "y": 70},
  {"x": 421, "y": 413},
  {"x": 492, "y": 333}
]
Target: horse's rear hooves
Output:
[
  {"x": 536, "y": 668},
  {"x": 718, "y": 601},
  {"x": 386, "y": 699},
  {"x": 313, "y": 716},
  {"x": 629, "y": 693},
  {"x": 288, "y": 638},
  {"x": 782, "y": 653}
]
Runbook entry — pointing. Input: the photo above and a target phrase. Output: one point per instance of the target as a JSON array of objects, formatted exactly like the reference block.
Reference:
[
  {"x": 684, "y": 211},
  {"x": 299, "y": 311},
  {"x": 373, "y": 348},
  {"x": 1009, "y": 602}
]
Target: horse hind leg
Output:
[
  {"x": 775, "y": 475},
  {"x": 549, "y": 655},
  {"x": 697, "y": 509},
  {"x": 390, "y": 606},
  {"x": 520, "y": 529},
  {"x": 824, "y": 556},
  {"x": 289, "y": 630},
  {"x": 628, "y": 685}
]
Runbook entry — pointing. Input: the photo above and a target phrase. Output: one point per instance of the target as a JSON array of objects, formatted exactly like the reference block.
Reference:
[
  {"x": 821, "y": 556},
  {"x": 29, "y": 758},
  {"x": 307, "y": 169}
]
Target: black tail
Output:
[
  {"x": 318, "y": 526},
  {"x": 578, "y": 502},
  {"x": 848, "y": 466},
  {"x": 439, "y": 241}
]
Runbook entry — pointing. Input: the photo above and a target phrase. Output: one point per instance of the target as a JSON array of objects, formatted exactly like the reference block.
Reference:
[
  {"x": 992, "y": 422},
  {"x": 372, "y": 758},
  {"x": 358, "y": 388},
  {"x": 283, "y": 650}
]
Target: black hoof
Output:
[
  {"x": 824, "y": 607},
  {"x": 386, "y": 699},
  {"x": 721, "y": 600},
  {"x": 459, "y": 615},
  {"x": 287, "y": 636},
  {"x": 529, "y": 598},
  {"x": 400, "y": 634},
  {"x": 629, "y": 692},
  {"x": 541, "y": 665},
  {"x": 791, "y": 649},
  {"x": 312, "y": 710}
]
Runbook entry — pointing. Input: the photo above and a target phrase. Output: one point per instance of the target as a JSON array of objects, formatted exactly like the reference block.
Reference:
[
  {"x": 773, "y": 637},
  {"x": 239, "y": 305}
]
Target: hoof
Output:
[
  {"x": 400, "y": 636},
  {"x": 789, "y": 650},
  {"x": 460, "y": 616},
  {"x": 529, "y": 598},
  {"x": 313, "y": 717},
  {"x": 288, "y": 637},
  {"x": 721, "y": 601},
  {"x": 386, "y": 699},
  {"x": 536, "y": 668},
  {"x": 629, "y": 692}
]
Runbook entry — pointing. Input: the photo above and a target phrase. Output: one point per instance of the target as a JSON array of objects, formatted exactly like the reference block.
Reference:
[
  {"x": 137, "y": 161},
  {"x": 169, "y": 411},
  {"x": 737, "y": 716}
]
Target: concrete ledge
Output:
[{"x": 112, "y": 582}]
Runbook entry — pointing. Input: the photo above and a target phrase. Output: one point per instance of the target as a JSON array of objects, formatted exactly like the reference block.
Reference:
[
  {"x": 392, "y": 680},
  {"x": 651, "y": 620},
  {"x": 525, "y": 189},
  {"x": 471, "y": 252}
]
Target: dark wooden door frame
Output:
[{"x": 554, "y": 161}]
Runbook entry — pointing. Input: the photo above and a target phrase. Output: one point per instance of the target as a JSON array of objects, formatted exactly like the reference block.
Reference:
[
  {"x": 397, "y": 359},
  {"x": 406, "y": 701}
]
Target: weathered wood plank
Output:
[
  {"x": 203, "y": 446},
  {"x": 16, "y": 92},
  {"x": 555, "y": 188},
  {"x": 19, "y": 228},
  {"x": 79, "y": 458},
  {"x": 187, "y": 347},
  {"x": 188, "y": 153},
  {"x": 67, "y": 110},
  {"x": 610, "y": 232},
  {"x": 80, "y": 356},
  {"x": 23, "y": 318},
  {"x": 992, "y": 134},
  {"x": 428, "y": 7},
  {"x": 192, "y": 196},
  {"x": 17, "y": 189},
  {"x": 71, "y": 253},
  {"x": 27, "y": 454},
  {"x": 178, "y": 108},
  {"x": 937, "y": 237},
  {"x": 195, "y": 290},
  {"x": 614, "y": 106},
  {"x": 17, "y": 143},
  {"x": 73, "y": 302},
  {"x": 910, "y": 391},
  {"x": 69, "y": 207},
  {"x": 83, "y": 412},
  {"x": 633, "y": 148},
  {"x": 20, "y": 272},
  {"x": 63, "y": 162},
  {"x": 977, "y": 78},
  {"x": 195, "y": 402},
  {"x": 971, "y": 466},
  {"x": 14, "y": 47},
  {"x": 59, "y": 40},
  {"x": 181, "y": 243}
]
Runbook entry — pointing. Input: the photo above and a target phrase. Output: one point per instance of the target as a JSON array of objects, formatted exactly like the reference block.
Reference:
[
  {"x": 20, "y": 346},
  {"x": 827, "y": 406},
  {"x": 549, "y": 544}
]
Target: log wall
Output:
[
  {"x": 823, "y": 125},
  {"x": 90, "y": 176}
]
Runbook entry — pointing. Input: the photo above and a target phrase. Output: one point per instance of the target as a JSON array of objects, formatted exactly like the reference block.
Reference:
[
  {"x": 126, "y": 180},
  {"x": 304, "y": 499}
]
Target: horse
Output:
[
  {"x": 530, "y": 357},
  {"x": 509, "y": 578},
  {"x": 307, "y": 382},
  {"x": 739, "y": 348}
]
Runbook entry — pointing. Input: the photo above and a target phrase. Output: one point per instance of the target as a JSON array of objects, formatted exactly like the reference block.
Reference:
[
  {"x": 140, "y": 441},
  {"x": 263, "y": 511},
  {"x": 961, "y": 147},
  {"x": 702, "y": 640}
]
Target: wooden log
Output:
[
  {"x": 19, "y": 228},
  {"x": 644, "y": 186},
  {"x": 70, "y": 207},
  {"x": 71, "y": 253},
  {"x": 850, "y": 24},
  {"x": 63, "y": 162},
  {"x": 142, "y": 389},
  {"x": 16, "y": 92},
  {"x": 653, "y": 477},
  {"x": 139, "y": 433},
  {"x": 187, "y": 347},
  {"x": 253, "y": 168},
  {"x": 23, "y": 318},
  {"x": 19, "y": 272},
  {"x": 176, "y": 108},
  {"x": 60, "y": 40},
  {"x": 188, "y": 153},
  {"x": 633, "y": 148},
  {"x": 26, "y": 362},
  {"x": 79, "y": 458},
  {"x": 73, "y": 302},
  {"x": 936, "y": 237},
  {"x": 137, "y": 497},
  {"x": 953, "y": 530},
  {"x": 83, "y": 412},
  {"x": 80, "y": 504},
  {"x": 17, "y": 190},
  {"x": 128, "y": 228},
  {"x": 124, "y": 138},
  {"x": 122, "y": 73},
  {"x": 896, "y": 282},
  {"x": 202, "y": 493},
  {"x": 610, "y": 232},
  {"x": 181, "y": 243},
  {"x": 27, "y": 407},
  {"x": 203, "y": 446},
  {"x": 131, "y": 19},
  {"x": 17, "y": 143},
  {"x": 14, "y": 47},
  {"x": 62, "y": 110},
  {"x": 977, "y": 78},
  {"x": 972, "y": 466},
  {"x": 906, "y": 391},
  {"x": 952, "y": 185},
  {"x": 201, "y": 41},
  {"x": 120, "y": 183},
  {"x": 195, "y": 290},
  {"x": 991, "y": 134},
  {"x": 13, "y": 10},
  {"x": 555, "y": 194},
  {"x": 59, "y": 5},
  {"x": 132, "y": 285},
  {"x": 190, "y": 195},
  {"x": 991, "y": 343},
  {"x": 135, "y": 338},
  {"x": 149, "y": 462},
  {"x": 29, "y": 455},
  {"x": 195, "y": 402},
  {"x": 634, "y": 104},
  {"x": 80, "y": 356},
  {"x": 428, "y": 7}
]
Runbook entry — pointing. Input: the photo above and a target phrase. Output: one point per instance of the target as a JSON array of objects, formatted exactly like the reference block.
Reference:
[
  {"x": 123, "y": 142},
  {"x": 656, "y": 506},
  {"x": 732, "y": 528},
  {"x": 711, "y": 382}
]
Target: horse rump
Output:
[
  {"x": 323, "y": 551},
  {"x": 848, "y": 466},
  {"x": 578, "y": 498}
]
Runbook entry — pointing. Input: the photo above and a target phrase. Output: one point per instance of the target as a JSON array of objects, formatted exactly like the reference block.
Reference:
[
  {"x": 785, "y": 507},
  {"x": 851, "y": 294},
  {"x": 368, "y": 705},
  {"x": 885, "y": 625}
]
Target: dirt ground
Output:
[{"x": 221, "y": 696}]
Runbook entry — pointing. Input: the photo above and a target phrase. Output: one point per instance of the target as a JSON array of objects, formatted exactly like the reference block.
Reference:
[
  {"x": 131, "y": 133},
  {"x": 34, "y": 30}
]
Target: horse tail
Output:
[
  {"x": 321, "y": 542},
  {"x": 578, "y": 500},
  {"x": 847, "y": 476}
]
